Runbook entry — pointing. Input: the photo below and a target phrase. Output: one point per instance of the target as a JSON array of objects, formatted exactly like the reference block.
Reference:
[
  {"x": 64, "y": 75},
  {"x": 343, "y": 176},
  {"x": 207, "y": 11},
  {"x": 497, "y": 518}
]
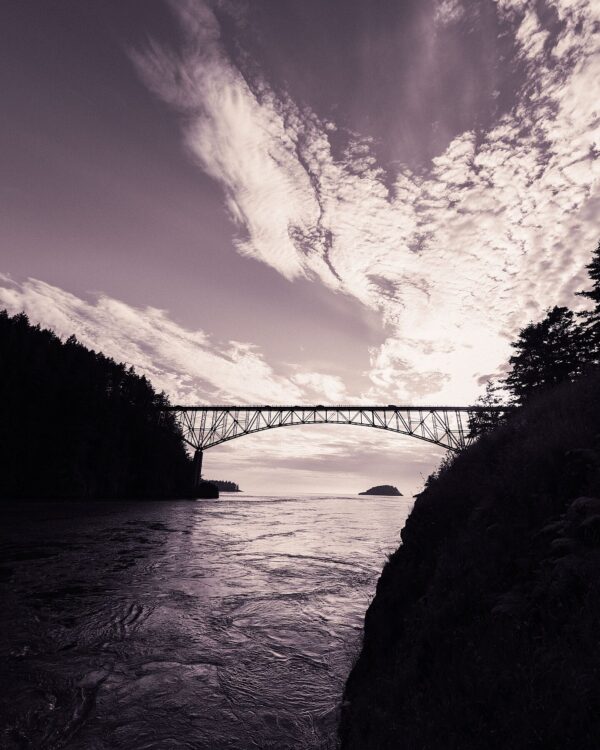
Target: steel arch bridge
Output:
[{"x": 204, "y": 427}]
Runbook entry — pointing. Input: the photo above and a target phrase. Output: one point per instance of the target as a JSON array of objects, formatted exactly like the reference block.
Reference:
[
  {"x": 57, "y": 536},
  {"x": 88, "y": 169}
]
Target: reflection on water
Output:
[{"x": 214, "y": 624}]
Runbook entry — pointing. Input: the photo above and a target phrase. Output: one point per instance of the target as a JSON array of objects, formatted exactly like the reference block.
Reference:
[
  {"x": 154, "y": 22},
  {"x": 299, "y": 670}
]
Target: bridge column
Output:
[{"x": 197, "y": 467}]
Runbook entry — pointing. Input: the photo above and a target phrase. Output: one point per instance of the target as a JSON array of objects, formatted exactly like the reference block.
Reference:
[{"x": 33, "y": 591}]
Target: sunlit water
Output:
[{"x": 213, "y": 624}]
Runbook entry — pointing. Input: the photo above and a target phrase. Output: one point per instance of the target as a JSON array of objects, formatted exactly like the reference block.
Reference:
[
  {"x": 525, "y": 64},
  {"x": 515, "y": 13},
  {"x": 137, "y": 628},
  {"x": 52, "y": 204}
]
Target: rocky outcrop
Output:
[
  {"x": 383, "y": 489},
  {"x": 206, "y": 491}
]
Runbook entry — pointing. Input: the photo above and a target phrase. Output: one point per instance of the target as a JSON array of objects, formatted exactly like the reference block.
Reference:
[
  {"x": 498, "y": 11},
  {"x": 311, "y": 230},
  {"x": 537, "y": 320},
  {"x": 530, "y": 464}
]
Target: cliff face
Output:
[{"x": 485, "y": 629}]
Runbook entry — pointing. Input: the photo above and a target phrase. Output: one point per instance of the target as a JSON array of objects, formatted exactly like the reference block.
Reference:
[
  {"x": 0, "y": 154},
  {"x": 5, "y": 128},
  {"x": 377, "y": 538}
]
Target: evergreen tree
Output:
[
  {"x": 547, "y": 353},
  {"x": 590, "y": 319},
  {"x": 485, "y": 421}
]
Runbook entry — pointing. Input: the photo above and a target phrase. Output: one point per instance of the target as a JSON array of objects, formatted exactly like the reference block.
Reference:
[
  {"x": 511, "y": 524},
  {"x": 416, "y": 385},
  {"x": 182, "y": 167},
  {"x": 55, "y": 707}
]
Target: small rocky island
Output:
[{"x": 383, "y": 489}]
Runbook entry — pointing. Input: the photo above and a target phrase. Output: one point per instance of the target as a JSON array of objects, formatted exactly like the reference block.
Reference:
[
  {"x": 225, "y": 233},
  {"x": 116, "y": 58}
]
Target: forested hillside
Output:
[
  {"x": 484, "y": 629},
  {"x": 77, "y": 424}
]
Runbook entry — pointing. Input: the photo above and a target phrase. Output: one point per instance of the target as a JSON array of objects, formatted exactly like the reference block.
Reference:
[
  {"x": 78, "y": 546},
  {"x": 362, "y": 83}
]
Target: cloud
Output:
[
  {"x": 187, "y": 364},
  {"x": 326, "y": 388},
  {"x": 245, "y": 139},
  {"x": 455, "y": 257},
  {"x": 448, "y": 11}
]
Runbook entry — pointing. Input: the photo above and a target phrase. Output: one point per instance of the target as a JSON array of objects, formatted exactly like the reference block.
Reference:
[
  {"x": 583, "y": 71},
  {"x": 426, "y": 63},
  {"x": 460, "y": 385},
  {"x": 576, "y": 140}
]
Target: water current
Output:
[{"x": 212, "y": 624}]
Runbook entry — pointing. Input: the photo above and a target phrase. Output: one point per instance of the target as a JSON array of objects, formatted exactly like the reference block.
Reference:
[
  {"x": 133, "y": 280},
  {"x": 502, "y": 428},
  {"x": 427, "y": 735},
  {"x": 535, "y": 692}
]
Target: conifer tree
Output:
[
  {"x": 547, "y": 353},
  {"x": 485, "y": 421},
  {"x": 590, "y": 319}
]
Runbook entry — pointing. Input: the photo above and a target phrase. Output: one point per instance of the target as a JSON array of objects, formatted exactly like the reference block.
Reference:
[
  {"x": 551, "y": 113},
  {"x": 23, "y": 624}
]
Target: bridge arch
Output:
[{"x": 204, "y": 427}]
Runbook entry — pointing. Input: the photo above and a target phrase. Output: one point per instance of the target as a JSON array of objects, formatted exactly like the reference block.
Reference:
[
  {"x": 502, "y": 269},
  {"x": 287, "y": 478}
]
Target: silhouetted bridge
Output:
[{"x": 447, "y": 426}]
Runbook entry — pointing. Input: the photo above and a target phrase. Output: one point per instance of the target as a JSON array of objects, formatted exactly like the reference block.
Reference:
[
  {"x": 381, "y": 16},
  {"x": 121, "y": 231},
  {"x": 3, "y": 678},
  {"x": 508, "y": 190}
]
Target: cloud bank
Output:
[{"x": 455, "y": 257}]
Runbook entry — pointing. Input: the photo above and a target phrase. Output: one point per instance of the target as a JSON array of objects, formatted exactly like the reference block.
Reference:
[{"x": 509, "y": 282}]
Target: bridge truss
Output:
[{"x": 447, "y": 426}]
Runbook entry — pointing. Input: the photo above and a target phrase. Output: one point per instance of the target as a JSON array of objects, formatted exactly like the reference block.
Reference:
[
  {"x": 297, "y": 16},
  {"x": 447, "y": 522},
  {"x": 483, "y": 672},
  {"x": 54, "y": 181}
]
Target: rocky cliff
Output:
[{"x": 484, "y": 631}]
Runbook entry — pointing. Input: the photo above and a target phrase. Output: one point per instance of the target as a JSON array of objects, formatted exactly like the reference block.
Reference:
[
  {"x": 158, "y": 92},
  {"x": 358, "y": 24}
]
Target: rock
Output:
[
  {"x": 383, "y": 489},
  {"x": 582, "y": 507},
  {"x": 207, "y": 491}
]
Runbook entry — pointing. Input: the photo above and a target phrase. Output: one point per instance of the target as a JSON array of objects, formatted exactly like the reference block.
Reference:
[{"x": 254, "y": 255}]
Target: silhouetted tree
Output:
[
  {"x": 485, "y": 421},
  {"x": 590, "y": 319},
  {"x": 547, "y": 353}
]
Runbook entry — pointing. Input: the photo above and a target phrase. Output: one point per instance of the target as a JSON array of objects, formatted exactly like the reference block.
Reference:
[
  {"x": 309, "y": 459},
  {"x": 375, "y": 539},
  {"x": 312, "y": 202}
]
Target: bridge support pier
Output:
[{"x": 197, "y": 479}]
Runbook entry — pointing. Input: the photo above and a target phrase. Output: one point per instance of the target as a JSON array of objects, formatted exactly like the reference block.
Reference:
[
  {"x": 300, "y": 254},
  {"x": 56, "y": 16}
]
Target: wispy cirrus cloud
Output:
[
  {"x": 448, "y": 11},
  {"x": 456, "y": 256},
  {"x": 247, "y": 141},
  {"x": 322, "y": 387},
  {"x": 187, "y": 364}
]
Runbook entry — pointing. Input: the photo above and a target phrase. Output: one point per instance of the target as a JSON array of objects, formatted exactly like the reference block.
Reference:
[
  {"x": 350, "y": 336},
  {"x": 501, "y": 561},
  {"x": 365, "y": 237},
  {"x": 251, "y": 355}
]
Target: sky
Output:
[{"x": 300, "y": 201}]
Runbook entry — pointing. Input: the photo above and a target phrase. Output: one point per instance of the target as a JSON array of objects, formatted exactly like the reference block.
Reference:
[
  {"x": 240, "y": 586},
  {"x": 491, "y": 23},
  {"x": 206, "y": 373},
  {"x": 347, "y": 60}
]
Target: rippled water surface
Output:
[{"x": 215, "y": 624}]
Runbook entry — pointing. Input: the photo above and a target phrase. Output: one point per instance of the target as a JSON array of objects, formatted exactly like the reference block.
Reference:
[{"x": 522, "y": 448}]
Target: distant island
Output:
[
  {"x": 383, "y": 489},
  {"x": 225, "y": 486}
]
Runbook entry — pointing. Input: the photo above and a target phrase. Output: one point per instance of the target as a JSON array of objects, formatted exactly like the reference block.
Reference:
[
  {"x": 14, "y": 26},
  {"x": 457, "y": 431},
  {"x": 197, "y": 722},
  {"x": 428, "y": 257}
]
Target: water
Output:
[{"x": 212, "y": 624}]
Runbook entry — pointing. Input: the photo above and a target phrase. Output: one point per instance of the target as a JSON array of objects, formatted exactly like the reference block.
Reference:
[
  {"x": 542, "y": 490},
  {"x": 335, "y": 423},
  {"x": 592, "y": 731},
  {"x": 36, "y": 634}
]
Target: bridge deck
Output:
[{"x": 321, "y": 407}]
